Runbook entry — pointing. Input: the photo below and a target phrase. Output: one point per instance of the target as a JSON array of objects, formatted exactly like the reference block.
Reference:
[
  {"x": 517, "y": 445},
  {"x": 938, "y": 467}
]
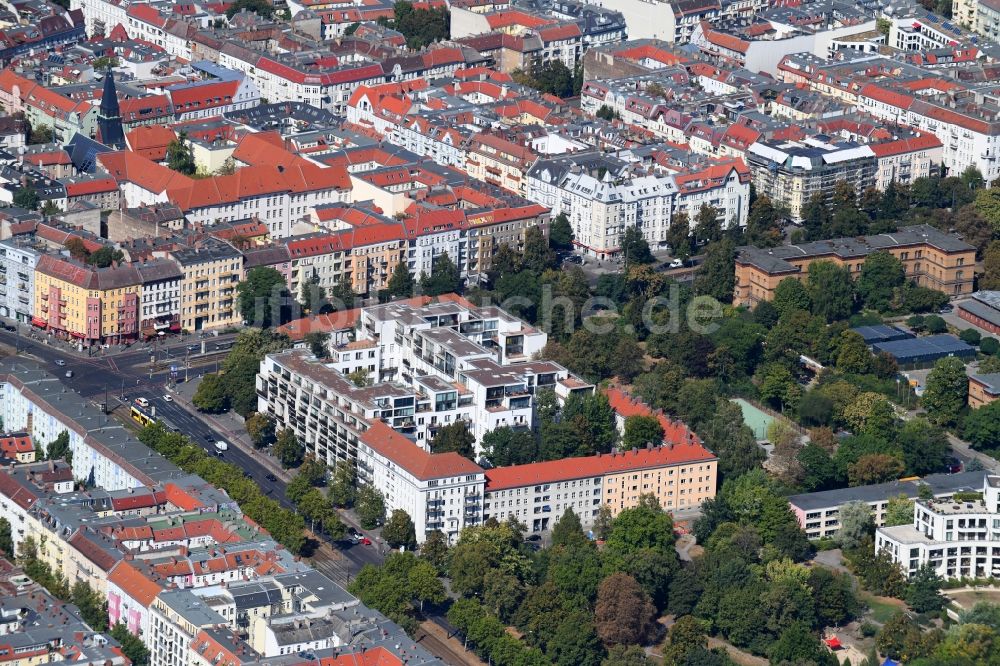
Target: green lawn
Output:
[{"x": 880, "y": 610}]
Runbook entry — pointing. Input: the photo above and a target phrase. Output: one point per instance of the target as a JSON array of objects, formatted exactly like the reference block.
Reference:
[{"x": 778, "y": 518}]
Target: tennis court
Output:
[{"x": 757, "y": 420}]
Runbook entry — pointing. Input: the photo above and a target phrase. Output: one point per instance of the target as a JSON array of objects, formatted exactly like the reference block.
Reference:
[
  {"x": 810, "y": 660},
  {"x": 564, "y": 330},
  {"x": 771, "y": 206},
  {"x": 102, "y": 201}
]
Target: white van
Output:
[{"x": 221, "y": 446}]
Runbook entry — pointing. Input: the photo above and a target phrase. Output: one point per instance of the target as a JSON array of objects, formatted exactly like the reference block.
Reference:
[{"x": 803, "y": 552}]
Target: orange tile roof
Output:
[
  {"x": 422, "y": 465},
  {"x": 11, "y": 446},
  {"x": 131, "y": 581},
  {"x": 682, "y": 447},
  {"x": 907, "y": 145}
]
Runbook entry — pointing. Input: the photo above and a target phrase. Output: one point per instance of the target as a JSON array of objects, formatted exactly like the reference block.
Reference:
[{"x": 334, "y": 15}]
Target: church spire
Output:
[{"x": 109, "y": 121}]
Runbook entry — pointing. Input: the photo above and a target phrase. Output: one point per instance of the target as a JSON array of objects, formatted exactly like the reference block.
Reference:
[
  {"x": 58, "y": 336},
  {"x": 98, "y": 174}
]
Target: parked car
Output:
[
  {"x": 270, "y": 477},
  {"x": 677, "y": 263},
  {"x": 533, "y": 537},
  {"x": 221, "y": 446},
  {"x": 946, "y": 308},
  {"x": 953, "y": 465},
  {"x": 365, "y": 541}
]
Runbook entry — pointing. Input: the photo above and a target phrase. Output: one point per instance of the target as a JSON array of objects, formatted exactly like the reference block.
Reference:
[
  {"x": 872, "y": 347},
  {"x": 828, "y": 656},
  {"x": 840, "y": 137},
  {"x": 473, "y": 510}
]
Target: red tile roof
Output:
[
  {"x": 420, "y": 464},
  {"x": 91, "y": 186},
  {"x": 15, "y": 444},
  {"x": 517, "y": 476},
  {"x": 885, "y": 96},
  {"x": 131, "y": 581},
  {"x": 150, "y": 141},
  {"x": 187, "y": 98},
  {"x": 908, "y": 145}
]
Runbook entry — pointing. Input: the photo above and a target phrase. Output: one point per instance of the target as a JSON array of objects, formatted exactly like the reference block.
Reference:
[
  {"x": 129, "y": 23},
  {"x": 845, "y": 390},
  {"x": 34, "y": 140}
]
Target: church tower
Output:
[{"x": 109, "y": 120}]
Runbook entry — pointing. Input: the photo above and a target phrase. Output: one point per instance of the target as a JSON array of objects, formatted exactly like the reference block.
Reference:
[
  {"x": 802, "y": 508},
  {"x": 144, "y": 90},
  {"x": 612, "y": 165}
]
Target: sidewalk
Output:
[{"x": 230, "y": 425}]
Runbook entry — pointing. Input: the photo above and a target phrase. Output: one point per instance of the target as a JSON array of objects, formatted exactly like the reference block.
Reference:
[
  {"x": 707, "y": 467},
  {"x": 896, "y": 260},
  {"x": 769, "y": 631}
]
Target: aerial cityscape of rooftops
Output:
[{"x": 500, "y": 332}]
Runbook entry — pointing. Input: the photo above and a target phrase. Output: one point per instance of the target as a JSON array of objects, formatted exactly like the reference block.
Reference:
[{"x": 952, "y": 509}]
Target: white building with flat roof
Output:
[{"x": 958, "y": 536}]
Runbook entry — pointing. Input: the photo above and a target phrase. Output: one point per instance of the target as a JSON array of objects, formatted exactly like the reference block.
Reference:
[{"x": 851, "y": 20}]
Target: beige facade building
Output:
[
  {"x": 930, "y": 257},
  {"x": 208, "y": 290},
  {"x": 680, "y": 475}
]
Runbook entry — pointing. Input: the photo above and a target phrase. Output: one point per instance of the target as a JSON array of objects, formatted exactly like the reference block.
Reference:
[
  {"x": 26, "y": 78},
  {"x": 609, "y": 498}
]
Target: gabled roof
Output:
[
  {"x": 420, "y": 464},
  {"x": 132, "y": 582}
]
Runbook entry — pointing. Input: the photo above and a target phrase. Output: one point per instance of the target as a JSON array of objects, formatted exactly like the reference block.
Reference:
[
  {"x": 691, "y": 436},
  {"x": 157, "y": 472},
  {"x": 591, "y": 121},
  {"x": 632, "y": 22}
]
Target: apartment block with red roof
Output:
[
  {"x": 681, "y": 475},
  {"x": 439, "y": 491},
  {"x": 499, "y": 161},
  {"x": 83, "y": 302},
  {"x": 207, "y": 99},
  {"x": 46, "y": 108}
]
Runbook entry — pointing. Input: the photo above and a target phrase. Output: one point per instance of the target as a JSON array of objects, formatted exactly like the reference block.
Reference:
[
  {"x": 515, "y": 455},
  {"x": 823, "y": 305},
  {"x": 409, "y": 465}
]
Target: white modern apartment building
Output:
[
  {"x": 428, "y": 366},
  {"x": 959, "y": 537},
  {"x": 17, "y": 279},
  {"x": 439, "y": 491},
  {"x": 477, "y": 356}
]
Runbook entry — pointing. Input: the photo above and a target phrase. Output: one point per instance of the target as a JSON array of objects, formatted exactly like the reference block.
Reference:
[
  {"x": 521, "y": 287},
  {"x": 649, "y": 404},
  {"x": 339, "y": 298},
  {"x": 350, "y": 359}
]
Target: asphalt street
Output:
[{"x": 128, "y": 371}]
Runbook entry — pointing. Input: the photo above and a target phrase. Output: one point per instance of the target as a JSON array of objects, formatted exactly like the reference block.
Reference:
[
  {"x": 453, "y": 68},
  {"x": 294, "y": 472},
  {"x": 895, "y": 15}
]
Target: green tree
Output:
[
  {"x": 764, "y": 223},
  {"x": 790, "y": 295},
  {"x": 506, "y": 446},
  {"x": 287, "y": 449},
  {"x": 27, "y": 198},
  {"x": 310, "y": 474},
  {"x": 899, "y": 511},
  {"x": 923, "y": 594},
  {"x": 180, "y": 157},
  {"x": 105, "y": 256},
  {"x": 923, "y": 445},
  {"x": 881, "y": 275},
  {"x": 854, "y": 356},
  {"x": 210, "y": 397},
  {"x": 454, "y": 437},
  {"x": 262, "y": 295},
  {"x": 778, "y": 387},
  {"x": 243, "y": 363},
  {"x": 946, "y": 391},
  {"x": 261, "y": 429},
  {"x": 717, "y": 275},
  {"x": 537, "y": 256},
  {"x": 262, "y": 8},
  {"x": 132, "y": 646},
  {"x": 319, "y": 344},
  {"x": 561, "y": 233},
  {"x": 990, "y": 278},
  {"x": 640, "y": 431},
  {"x": 935, "y": 324},
  {"x": 593, "y": 420},
  {"x": 635, "y": 249},
  {"x": 343, "y": 485},
  {"x": 370, "y": 507},
  {"x": 401, "y": 283},
  {"x": 399, "y": 531},
  {"x": 797, "y": 644},
  {"x": 6, "y": 539},
  {"x": 623, "y": 614},
  {"x": 982, "y": 427},
  {"x": 421, "y": 27},
  {"x": 93, "y": 608},
  {"x": 575, "y": 642},
  {"x": 831, "y": 291},
  {"x": 856, "y": 524},
  {"x": 435, "y": 551},
  {"x": 58, "y": 449},
  {"x": 444, "y": 277}
]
